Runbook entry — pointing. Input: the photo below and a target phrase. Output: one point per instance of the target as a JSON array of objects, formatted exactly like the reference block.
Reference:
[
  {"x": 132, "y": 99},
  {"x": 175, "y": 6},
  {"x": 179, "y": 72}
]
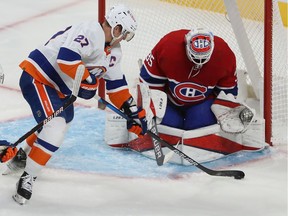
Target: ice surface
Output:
[{"x": 85, "y": 177}]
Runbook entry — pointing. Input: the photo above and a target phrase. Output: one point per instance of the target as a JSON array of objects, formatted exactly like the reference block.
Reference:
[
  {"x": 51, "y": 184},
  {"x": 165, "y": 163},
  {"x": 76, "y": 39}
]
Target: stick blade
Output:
[
  {"x": 169, "y": 155},
  {"x": 160, "y": 160},
  {"x": 237, "y": 174}
]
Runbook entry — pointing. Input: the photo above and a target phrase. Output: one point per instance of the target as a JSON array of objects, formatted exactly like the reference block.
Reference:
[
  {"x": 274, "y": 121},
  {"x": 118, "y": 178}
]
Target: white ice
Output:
[{"x": 263, "y": 192}]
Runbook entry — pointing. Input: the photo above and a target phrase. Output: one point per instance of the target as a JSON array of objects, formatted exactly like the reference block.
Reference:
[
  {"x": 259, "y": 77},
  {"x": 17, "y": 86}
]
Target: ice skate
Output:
[
  {"x": 24, "y": 188},
  {"x": 16, "y": 164}
]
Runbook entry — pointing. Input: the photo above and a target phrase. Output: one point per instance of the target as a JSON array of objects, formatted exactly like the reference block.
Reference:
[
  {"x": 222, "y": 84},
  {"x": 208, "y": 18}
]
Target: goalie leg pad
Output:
[
  {"x": 116, "y": 133},
  {"x": 154, "y": 102}
]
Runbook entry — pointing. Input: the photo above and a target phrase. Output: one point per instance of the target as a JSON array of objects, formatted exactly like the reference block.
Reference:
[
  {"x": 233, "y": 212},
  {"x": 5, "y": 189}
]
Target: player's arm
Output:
[
  {"x": 232, "y": 115},
  {"x": 79, "y": 44},
  {"x": 228, "y": 83},
  {"x": 68, "y": 61},
  {"x": 151, "y": 73}
]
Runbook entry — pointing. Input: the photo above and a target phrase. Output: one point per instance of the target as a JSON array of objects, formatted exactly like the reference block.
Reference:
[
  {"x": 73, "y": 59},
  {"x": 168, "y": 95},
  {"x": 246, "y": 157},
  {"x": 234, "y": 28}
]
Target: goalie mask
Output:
[
  {"x": 199, "y": 45},
  {"x": 121, "y": 15}
]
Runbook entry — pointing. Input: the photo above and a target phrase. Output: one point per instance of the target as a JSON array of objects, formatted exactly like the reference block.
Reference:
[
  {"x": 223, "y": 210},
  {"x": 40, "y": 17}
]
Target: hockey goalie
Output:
[{"x": 188, "y": 87}]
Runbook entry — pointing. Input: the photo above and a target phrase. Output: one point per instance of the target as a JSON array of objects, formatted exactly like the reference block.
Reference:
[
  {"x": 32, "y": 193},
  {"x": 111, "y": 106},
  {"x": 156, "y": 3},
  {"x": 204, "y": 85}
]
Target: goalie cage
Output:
[{"x": 246, "y": 26}]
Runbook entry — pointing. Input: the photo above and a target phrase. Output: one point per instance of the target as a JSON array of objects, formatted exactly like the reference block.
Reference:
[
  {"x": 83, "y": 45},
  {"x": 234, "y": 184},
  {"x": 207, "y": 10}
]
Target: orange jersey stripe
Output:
[
  {"x": 32, "y": 70},
  {"x": 31, "y": 139},
  {"x": 70, "y": 70},
  {"x": 39, "y": 156},
  {"x": 48, "y": 108},
  {"x": 118, "y": 98}
]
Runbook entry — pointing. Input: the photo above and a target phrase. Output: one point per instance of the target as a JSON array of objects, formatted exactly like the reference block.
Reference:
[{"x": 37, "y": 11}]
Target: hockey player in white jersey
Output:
[{"x": 46, "y": 82}]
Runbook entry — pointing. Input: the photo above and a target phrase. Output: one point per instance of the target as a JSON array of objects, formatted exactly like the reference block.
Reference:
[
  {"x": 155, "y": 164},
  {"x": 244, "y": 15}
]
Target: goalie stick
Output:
[
  {"x": 237, "y": 174},
  {"x": 68, "y": 102},
  {"x": 159, "y": 156}
]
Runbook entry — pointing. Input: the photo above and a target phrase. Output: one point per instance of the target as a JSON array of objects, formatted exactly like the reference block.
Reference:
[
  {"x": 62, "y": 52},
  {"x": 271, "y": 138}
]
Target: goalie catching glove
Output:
[
  {"x": 232, "y": 116},
  {"x": 137, "y": 123}
]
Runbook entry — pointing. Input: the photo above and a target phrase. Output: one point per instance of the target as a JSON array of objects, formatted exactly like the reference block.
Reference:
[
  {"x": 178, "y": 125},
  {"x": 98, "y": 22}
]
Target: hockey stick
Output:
[
  {"x": 237, "y": 174},
  {"x": 159, "y": 156},
  {"x": 170, "y": 154},
  {"x": 68, "y": 102}
]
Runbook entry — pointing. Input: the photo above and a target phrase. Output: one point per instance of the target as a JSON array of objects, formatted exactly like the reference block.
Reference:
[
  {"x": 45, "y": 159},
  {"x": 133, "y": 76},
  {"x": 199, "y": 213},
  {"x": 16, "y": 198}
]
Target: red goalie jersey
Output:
[
  {"x": 167, "y": 68},
  {"x": 197, "y": 71}
]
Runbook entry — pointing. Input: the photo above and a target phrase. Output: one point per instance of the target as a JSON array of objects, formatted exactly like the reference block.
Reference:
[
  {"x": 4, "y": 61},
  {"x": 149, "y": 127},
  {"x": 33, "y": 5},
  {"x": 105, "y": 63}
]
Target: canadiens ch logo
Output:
[
  {"x": 201, "y": 43},
  {"x": 190, "y": 92}
]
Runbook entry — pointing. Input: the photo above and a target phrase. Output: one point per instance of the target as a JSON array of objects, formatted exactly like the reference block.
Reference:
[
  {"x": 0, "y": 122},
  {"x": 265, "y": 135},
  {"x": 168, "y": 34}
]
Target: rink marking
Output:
[
  {"x": 51, "y": 11},
  {"x": 10, "y": 119},
  {"x": 138, "y": 166}
]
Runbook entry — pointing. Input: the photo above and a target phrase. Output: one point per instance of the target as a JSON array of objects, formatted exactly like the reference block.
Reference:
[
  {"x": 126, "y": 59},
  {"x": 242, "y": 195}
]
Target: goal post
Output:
[
  {"x": 101, "y": 18},
  {"x": 267, "y": 77},
  {"x": 253, "y": 29}
]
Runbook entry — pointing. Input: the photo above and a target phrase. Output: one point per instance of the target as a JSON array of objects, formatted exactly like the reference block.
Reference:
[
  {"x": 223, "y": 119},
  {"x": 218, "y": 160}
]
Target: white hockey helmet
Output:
[
  {"x": 199, "y": 45},
  {"x": 121, "y": 15}
]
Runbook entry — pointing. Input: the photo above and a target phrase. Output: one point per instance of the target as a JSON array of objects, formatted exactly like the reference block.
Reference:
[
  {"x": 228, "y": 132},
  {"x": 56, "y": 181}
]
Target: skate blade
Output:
[{"x": 19, "y": 199}]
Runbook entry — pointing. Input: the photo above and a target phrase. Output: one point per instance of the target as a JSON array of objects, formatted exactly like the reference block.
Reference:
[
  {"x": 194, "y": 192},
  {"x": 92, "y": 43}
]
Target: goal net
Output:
[{"x": 241, "y": 24}]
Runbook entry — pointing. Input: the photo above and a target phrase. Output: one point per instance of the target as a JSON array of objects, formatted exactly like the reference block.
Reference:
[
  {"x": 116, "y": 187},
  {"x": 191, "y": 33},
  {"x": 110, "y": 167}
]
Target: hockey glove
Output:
[
  {"x": 232, "y": 116},
  {"x": 7, "y": 154},
  {"x": 137, "y": 123},
  {"x": 97, "y": 71},
  {"x": 88, "y": 89}
]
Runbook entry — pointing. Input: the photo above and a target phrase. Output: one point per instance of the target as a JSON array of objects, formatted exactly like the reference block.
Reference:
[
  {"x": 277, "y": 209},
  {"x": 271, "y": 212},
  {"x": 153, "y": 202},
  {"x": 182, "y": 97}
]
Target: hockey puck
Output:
[{"x": 239, "y": 176}]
